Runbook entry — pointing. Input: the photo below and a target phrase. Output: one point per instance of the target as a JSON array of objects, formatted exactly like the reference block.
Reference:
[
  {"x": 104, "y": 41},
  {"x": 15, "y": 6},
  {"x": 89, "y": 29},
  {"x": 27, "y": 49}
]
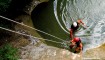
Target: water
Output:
[
  {"x": 44, "y": 19},
  {"x": 91, "y": 12},
  {"x": 56, "y": 18}
]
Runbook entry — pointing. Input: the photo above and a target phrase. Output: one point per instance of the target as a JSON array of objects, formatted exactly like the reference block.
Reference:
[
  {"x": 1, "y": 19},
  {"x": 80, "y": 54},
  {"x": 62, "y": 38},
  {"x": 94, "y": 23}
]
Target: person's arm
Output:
[
  {"x": 72, "y": 41},
  {"x": 84, "y": 26},
  {"x": 81, "y": 46},
  {"x": 81, "y": 23}
]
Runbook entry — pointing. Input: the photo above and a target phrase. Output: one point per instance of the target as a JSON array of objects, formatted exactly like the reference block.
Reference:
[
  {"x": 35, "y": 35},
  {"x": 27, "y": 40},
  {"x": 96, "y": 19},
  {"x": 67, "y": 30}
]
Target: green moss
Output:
[
  {"x": 4, "y": 4},
  {"x": 44, "y": 0},
  {"x": 7, "y": 52}
]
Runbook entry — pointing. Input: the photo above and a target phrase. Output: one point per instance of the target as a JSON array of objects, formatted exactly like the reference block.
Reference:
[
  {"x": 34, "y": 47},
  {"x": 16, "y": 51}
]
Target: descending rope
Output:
[
  {"x": 31, "y": 28},
  {"x": 28, "y": 35}
]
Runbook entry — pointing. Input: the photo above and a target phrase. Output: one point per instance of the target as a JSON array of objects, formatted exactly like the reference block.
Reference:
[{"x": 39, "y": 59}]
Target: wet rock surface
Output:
[
  {"x": 96, "y": 53},
  {"x": 30, "y": 7},
  {"x": 44, "y": 52}
]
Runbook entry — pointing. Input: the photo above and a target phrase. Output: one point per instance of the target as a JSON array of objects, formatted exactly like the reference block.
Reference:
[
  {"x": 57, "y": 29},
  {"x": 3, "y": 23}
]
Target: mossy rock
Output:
[{"x": 44, "y": 0}]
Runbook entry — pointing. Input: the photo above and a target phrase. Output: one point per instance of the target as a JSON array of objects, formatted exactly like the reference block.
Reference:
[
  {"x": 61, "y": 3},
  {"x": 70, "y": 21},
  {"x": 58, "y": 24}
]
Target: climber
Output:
[
  {"x": 76, "y": 44},
  {"x": 75, "y": 26}
]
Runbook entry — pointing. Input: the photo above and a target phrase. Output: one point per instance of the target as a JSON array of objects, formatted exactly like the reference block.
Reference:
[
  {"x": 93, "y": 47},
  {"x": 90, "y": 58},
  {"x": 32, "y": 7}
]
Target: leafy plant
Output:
[
  {"x": 7, "y": 52},
  {"x": 4, "y": 4}
]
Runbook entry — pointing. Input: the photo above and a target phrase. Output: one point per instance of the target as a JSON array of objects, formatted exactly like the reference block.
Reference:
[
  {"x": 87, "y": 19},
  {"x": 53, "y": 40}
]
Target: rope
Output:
[
  {"x": 31, "y": 28},
  {"x": 27, "y": 35}
]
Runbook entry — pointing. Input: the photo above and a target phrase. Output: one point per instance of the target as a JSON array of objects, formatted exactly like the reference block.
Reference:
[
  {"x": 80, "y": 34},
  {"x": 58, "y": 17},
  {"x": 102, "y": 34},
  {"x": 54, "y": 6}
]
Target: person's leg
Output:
[{"x": 71, "y": 33}]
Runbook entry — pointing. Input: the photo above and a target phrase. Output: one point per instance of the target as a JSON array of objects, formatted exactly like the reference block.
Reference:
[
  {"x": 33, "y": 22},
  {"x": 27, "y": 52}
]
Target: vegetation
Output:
[
  {"x": 4, "y": 4},
  {"x": 7, "y": 52}
]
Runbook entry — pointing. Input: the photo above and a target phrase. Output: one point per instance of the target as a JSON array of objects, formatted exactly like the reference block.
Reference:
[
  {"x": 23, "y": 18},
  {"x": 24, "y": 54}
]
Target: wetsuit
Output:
[{"x": 78, "y": 45}]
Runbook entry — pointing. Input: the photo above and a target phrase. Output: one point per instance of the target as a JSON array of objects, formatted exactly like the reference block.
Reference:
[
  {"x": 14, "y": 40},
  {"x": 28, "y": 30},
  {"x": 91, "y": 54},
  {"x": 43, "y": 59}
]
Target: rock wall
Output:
[
  {"x": 44, "y": 52},
  {"x": 96, "y": 53},
  {"x": 30, "y": 7}
]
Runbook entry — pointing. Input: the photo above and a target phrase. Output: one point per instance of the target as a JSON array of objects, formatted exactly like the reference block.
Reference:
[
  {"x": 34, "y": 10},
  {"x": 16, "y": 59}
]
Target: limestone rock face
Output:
[
  {"x": 44, "y": 52},
  {"x": 30, "y": 7},
  {"x": 96, "y": 53}
]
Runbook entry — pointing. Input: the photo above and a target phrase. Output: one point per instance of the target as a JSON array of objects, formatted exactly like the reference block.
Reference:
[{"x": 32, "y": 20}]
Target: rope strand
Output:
[
  {"x": 28, "y": 35},
  {"x": 31, "y": 28}
]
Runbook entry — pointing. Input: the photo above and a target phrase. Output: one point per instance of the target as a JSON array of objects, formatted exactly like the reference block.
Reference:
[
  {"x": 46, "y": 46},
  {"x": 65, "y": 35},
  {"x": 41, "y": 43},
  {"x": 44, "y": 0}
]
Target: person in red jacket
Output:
[
  {"x": 75, "y": 26},
  {"x": 77, "y": 44}
]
